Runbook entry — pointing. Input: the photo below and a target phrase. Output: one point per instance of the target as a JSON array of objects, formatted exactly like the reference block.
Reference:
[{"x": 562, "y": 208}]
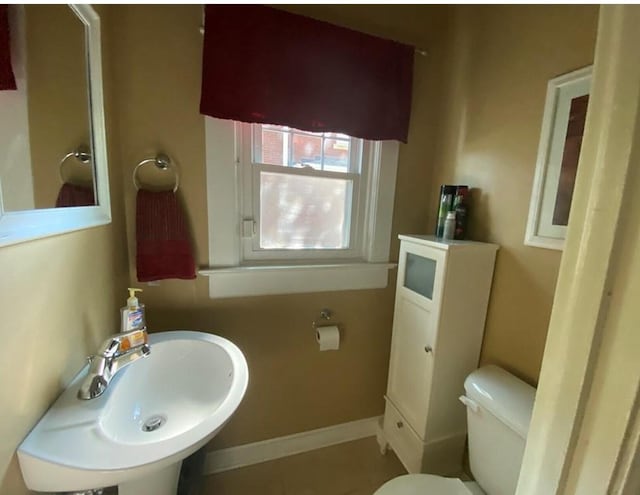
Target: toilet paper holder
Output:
[
  {"x": 327, "y": 333},
  {"x": 325, "y": 316}
]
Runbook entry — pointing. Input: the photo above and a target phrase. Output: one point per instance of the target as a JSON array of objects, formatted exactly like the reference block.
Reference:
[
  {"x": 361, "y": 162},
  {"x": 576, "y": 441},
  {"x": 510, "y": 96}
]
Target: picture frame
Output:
[{"x": 558, "y": 153}]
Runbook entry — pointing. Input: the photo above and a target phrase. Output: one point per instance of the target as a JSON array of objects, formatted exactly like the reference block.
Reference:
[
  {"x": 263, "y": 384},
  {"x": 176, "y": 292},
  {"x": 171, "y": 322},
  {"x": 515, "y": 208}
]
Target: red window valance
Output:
[
  {"x": 264, "y": 65},
  {"x": 7, "y": 81}
]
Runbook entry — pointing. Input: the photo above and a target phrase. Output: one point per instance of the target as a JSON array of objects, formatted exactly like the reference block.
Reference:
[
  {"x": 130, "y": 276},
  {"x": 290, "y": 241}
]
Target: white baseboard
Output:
[{"x": 274, "y": 448}]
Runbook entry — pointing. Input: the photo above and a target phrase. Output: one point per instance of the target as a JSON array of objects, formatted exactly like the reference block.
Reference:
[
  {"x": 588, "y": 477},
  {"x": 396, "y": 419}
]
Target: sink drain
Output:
[{"x": 153, "y": 423}]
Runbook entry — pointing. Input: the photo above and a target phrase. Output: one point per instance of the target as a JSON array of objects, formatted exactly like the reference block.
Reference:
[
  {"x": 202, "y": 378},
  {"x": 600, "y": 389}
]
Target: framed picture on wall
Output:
[{"x": 563, "y": 123}]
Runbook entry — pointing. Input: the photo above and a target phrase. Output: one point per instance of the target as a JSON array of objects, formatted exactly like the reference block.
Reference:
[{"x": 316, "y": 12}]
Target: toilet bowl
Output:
[
  {"x": 499, "y": 407},
  {"x": 429, "y": 484}
]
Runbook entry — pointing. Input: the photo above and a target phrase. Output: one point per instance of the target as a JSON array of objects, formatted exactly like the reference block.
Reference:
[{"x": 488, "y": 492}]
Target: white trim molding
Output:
[
  {"x": 294, "y": 279},
  {"x": 230, "y": 275},
  {"x": 253, "y": 453}
]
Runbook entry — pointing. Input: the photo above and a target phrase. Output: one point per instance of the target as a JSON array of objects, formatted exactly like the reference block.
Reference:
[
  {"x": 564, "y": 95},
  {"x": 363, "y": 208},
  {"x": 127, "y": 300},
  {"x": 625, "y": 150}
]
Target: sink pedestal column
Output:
[{"x": 163, "y": 482}]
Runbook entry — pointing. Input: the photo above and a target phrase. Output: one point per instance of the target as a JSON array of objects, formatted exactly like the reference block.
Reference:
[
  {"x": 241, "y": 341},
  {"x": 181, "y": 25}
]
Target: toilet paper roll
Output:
[{"x": 328, "y": 337}]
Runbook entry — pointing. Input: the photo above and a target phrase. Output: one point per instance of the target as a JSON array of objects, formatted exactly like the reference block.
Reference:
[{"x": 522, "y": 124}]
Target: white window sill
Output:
[{"x": 239, "y": 281}]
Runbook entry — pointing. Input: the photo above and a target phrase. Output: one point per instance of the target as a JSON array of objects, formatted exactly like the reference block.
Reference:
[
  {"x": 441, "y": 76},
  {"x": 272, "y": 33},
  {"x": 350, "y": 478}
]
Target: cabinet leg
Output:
[{"x": 382, "y": 442}]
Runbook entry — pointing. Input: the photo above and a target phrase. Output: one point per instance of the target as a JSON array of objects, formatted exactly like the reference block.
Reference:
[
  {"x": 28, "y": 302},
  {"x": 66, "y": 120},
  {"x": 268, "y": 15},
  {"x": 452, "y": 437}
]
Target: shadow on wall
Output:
[
  {"x": 479, "y": 208},
  {"x": 517, "y": 339}
]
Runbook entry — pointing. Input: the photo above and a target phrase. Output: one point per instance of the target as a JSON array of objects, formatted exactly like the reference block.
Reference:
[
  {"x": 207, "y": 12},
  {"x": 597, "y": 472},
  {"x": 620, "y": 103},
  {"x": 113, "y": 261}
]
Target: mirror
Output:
[
  {"x": 53, "y": 160},
  {"x": 48, "y": 113}
]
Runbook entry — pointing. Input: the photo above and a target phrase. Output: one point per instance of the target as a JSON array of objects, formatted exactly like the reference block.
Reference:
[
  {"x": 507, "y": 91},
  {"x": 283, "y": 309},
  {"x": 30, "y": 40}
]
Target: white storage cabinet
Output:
[{"x": 440, "y": 309}]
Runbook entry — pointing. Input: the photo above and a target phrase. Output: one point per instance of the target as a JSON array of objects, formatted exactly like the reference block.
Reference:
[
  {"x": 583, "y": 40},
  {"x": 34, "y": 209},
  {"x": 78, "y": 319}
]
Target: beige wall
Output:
[
  {"x": 60, "y": 298},
  {"x": 293, "y": 387},
  {"x": 501, "y": 58}
]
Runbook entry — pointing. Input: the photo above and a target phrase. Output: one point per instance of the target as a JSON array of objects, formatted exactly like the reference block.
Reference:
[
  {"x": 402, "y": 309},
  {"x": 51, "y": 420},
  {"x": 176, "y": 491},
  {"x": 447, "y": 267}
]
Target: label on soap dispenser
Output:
[{"x": 135, "y": 319}]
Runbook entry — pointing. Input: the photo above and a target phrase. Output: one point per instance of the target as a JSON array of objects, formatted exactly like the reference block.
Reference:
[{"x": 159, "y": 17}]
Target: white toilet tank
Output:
[{"x": 498, "y": 417}]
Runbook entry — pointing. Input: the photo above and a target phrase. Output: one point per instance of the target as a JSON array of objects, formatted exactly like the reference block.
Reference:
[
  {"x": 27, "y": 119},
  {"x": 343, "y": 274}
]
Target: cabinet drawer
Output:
[{"x": 403, "y": 440}]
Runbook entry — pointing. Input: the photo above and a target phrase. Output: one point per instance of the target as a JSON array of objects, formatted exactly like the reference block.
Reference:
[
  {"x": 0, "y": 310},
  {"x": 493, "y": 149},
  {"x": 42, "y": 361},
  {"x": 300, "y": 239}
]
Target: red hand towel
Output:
[
  {"x": 7, "y": 81},
  {"x": 162, "y": 238},
  {"x": 71, "y": 195}
]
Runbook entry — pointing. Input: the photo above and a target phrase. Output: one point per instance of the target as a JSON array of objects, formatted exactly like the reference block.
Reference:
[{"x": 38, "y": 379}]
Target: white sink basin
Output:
[{"x": 184, "y": 392}]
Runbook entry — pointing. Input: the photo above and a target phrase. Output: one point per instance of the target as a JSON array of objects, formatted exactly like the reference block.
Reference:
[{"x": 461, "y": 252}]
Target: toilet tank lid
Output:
[{"x": 505, "y": 396}]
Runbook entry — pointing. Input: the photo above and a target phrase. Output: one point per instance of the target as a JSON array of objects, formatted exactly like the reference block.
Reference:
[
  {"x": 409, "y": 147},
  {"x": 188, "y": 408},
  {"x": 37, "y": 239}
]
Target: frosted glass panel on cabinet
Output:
[{"x": 420, "y": 272}]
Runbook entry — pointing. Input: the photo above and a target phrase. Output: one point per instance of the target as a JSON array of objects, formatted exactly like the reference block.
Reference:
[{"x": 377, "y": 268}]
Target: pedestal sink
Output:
[{"x": 154, "y": 413}]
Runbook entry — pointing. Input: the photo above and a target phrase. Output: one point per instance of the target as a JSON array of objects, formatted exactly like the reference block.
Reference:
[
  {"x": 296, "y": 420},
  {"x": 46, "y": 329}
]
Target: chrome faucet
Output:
[{"x": 118, "y": 351}]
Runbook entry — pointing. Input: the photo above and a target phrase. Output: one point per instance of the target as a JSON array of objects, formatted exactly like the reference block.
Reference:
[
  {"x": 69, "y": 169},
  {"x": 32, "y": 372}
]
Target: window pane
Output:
[
  {"x": 279, "y": 145},
  {"x": 306, "y": 151},
  {"x": 273, "y": 147},
  {"x": 298, "y": 212},
  {"x": 336, "y": 155}
]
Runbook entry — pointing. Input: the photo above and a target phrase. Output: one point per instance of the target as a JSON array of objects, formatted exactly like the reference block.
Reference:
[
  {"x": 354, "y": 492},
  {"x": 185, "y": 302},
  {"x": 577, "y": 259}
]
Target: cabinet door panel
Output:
[
  {"x": 411, "y": 362},
  {"x": 421, "y": 274}
]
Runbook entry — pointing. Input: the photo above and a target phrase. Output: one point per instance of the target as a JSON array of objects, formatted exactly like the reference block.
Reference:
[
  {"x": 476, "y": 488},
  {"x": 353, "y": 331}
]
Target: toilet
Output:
[{"x": 499, "y": 407}]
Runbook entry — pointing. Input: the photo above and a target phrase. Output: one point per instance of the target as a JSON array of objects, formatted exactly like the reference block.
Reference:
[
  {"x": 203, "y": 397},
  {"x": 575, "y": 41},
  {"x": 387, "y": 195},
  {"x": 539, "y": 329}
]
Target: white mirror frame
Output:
[
  {"x": 541, "y": 232},
  {"x": 21, "y": 226}
]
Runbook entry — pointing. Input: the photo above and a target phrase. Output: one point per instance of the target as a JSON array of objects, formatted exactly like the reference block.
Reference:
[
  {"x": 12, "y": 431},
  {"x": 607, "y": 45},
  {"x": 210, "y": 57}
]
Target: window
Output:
[
  {"x": 302, "y": 193},
  {"x": 296, "y": 211}
]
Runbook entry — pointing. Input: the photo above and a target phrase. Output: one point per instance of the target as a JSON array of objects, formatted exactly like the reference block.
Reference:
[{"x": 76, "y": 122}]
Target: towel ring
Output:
[
  {"x": 163, "y": 162},
  {"x": 82, "y": 153}
]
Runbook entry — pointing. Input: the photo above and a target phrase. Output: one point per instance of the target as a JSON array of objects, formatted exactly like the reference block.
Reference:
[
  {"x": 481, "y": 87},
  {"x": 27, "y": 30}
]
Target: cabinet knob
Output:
[
  {"x": 428, "y": 349},
  {"x": 399, "y": 424}
]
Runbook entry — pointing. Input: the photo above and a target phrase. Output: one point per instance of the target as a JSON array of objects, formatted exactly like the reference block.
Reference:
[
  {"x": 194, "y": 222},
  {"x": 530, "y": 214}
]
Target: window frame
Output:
[
  {"x": 250, "y": 170},
  {"x": 231, "y": 275}
]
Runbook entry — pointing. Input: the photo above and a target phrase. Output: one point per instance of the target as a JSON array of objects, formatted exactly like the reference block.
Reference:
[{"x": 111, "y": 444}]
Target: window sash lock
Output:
[{"x": 248, "y": 227}]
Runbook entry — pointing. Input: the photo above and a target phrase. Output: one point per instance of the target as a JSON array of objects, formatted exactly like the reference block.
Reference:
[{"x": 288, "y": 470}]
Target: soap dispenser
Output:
[{"x": 133, "y": 313}]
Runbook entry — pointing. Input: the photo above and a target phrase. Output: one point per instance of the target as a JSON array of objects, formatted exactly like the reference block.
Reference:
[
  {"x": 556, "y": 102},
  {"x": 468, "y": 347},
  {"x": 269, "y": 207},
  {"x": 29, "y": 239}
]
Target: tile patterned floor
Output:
[{"x": 353, "y": 468}]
